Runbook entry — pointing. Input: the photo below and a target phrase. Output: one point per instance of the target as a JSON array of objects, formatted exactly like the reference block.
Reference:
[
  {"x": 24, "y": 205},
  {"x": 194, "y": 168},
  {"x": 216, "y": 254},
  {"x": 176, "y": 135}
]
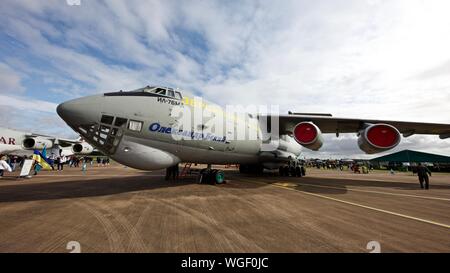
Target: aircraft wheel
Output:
[
  {"x": 281, "y": 171},
  {"x": 218, "y": 177},
  {"x": 203, "y": 177},
  {"x": 292, "y": 171},
  {"x": 286, "y": 171},
  {"x": 211, "y": 176},
  {"x": 261, "y": 169},
  {"x": 298, "y": 172}
]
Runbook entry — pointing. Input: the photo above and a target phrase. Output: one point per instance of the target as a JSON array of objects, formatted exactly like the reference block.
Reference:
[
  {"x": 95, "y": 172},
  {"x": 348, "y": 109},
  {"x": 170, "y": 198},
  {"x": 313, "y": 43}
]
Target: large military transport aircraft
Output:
[
  {"x": 141, "y": 129},
  {"x": 22, "y": 143}
]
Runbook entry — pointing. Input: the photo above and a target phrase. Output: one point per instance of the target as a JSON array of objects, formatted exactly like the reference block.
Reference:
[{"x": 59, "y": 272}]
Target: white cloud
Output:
[
  {"x": 10, "y": 81},
  {"x": 35, "y": 121},
  {"x": 25, "y": 104},
  {"x": 365, "y": 59}
]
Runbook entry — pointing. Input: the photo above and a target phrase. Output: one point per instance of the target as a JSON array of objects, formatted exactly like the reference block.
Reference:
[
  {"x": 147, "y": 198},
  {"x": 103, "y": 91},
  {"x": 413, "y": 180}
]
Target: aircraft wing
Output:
[
  {"x": 67, "y": 142},
  {"x": 329, "y": 124}
]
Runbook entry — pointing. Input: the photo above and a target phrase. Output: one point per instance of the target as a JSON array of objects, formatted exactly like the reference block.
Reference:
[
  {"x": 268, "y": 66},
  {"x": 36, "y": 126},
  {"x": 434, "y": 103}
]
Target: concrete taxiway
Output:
[{"x": 117, "y": 209}]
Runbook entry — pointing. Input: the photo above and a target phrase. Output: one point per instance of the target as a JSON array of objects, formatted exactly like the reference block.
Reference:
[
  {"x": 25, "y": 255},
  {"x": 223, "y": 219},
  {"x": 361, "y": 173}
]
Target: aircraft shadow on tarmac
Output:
[
  {"x": 94, "y": 187},
  {"x": 84, "y": 188}
]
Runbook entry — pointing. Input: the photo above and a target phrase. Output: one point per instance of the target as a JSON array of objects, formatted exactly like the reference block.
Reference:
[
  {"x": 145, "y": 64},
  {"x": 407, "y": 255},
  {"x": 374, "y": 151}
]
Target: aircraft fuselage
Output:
[{"x": 141, "y": 131}]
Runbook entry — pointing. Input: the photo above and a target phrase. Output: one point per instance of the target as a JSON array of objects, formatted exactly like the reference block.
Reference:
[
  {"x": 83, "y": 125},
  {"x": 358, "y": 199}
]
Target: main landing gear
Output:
[
  {"x": 211, "y": 176},
  {"x": 292, "y": 169}
]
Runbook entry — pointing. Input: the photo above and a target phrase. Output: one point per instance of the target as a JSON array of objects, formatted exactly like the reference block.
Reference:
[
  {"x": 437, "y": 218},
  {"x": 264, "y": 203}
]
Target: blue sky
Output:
[{"x": 368, "y": 59}]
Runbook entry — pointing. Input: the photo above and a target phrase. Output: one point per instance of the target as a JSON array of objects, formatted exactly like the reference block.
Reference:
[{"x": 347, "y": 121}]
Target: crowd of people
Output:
[
  {"x": 338, "y": 165},
  {"x": 11, "y": 163},
  {"x": 423, "y": 172}
]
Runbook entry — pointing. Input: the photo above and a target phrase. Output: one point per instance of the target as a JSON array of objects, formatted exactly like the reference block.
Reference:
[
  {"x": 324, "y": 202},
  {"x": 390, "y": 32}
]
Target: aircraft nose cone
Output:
[
  {"x": 69, "y": 111},
  {"x": 79, "y": 111},
  {"x": 62, "y": 109}
]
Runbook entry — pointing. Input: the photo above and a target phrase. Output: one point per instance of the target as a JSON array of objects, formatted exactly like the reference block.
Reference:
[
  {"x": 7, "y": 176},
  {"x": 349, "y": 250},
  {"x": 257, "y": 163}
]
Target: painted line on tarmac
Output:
[
  {"x": 377, "y": 192},
  {"x": 367, "y": 179},
  {"x": 355, "y": 204}
]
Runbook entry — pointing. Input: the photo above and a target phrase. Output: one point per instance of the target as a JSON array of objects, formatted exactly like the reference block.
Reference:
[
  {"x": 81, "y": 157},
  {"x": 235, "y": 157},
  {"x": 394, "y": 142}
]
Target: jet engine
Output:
[
  {"x": 378, "y": 138},
  {"x": 37, "y": 143},
  {"x": 82, "y": 148},
  {"x": 308, "y": 135}
]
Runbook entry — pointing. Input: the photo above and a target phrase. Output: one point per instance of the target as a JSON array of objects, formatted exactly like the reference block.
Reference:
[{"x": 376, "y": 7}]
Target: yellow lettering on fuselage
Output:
[{"x": 192, "y": 102}]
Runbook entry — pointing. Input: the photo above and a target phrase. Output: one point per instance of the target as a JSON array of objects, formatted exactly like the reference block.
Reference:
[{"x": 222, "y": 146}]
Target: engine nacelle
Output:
[
  {"x": 37, "y": 143},
  {"x": 308, "y": 135},
  {"x": 378, "y": 138},
  {"x": 82, "y": 148}
]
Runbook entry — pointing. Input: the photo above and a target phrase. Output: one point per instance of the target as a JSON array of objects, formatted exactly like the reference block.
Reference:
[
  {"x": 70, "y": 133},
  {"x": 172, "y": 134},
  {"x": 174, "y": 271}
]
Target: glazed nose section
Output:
[{"x": 80, "y": 111}]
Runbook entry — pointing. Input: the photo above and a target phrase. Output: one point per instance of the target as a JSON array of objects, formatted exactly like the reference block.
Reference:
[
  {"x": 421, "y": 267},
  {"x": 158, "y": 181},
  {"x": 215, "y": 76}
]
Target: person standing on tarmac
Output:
[
  {"x": 4, "y": 166},
  {"x": 169, "y": 172},
  {"x": 172, "y": 172},
  {"x": 61, "y": 162},
  {"x": 422, "y": 173},
  {"x": 175, "y": 172}
]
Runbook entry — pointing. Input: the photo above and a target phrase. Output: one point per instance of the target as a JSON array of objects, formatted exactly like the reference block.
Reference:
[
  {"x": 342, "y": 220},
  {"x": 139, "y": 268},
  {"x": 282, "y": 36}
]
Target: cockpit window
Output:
[
  {"x": 150, "y": 91},
  {"x": 120, "y": 121},
  {"x": 160, "y": 91},
  {"x": 147, "y": 89},
  {"x": 107, "y": 119}
]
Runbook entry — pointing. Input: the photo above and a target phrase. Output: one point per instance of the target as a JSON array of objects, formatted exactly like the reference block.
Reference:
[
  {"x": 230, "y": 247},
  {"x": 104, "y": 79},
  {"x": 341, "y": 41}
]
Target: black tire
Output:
[
  {"x": 292, "y": 171},
  {"x": 303, "y": 171},
  {"x": 281, "y": 171},
  {"x": 298, "y": 172},
  {"x": 211, "y": 176},
  {"x": 203, "y": 176}
]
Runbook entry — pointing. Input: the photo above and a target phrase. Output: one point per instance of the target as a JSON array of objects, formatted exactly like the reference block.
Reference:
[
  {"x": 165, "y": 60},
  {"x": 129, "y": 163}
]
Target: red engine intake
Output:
[
  {"x": 378, "y": 138},
  {"x": 308, "y": 135}
]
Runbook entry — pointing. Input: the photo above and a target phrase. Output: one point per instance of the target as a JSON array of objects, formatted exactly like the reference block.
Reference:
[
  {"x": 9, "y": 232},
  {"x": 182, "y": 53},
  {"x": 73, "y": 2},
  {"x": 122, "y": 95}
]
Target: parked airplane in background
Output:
[
  {"x": 138, "y": 129},
  {"x": 21, "y": 143}
]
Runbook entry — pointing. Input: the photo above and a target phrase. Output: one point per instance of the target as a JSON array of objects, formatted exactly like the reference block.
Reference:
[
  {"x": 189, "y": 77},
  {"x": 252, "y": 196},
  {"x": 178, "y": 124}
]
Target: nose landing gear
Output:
[{"x": 211, "y": 176}]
